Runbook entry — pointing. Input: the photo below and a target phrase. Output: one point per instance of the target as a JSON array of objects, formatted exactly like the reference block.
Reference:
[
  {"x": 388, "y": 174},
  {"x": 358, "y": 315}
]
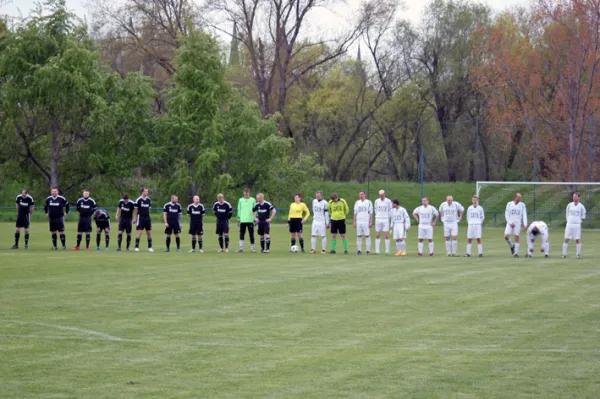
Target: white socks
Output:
[
  {"x": 241, "y": 244},
  {"x": 377, "y": 245},
  {"x": 454, "y": 246},
  {"x": 578, "y": 246},
  {"x": 324, "y": 243},
  {"x": 566, "y": 247},
  {"x": 359, "y": 243},
  {"x": 387, "y": 246},
  {"x": 420, "y": 247},
  {"x": 509, "y": 242},
  {"x": 517, "y": 247},
  {"x": 313, "y": 243},
  {"x": 398, "y": 246},
  {"x": 448, "y": 246},
  {"x": 469, "y": 249},
  {"x": 480, "y": 249},
  {"x": 368, "y": 243},
  {"x": 430, "y": 247}
]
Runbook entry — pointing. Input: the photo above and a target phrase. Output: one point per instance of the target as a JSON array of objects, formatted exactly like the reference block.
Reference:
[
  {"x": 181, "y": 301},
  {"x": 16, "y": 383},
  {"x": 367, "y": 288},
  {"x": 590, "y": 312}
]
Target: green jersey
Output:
[{"x": 244, "y": 210}]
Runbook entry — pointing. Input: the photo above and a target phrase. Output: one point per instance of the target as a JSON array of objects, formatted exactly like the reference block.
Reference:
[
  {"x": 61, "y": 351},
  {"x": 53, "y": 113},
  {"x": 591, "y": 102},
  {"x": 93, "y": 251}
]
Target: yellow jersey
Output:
[{"x": 297, "y": 210}]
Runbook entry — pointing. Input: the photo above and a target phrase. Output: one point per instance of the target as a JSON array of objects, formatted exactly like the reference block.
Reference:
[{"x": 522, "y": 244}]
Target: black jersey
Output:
[
  {"x": 86, "y": 207},
  {"x": 25, "y": 203},
  {"x": 173, "y": 212},
  {"x": 101, "y": 216},
  {"x": 143, "y": 206},
  {"x": 196, "y": 213},
  {"x": 126, "y": 209},
  {"x": 56, "y": 207},
  {"x": 263, "y": 211},
  {"x": 223, "y": 211}
]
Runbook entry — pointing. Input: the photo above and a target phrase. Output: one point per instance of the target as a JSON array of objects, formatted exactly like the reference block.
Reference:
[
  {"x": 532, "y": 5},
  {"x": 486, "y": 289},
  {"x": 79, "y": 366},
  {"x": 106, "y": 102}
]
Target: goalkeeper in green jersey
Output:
[
  {"x": 245, "y": 218},
  {"x": 338, "y": 210}
]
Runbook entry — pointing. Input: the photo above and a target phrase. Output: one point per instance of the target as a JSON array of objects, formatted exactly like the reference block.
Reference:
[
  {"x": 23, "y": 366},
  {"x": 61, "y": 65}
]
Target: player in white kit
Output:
[
  {"x": 363, "y": 221},
  {"x": 427, "y": 216},
  {"x": 575, "y": 216},
  {"x": 451, "y": 213},
  {"x": 383, "y": 213},
  {"x": 320, "y": 222},
  {"x": 400, "y": 226},
  {"x": 475, "y": 218},
  {"x": 537, "y": 230},
  {"x": 516, "y": 216}
]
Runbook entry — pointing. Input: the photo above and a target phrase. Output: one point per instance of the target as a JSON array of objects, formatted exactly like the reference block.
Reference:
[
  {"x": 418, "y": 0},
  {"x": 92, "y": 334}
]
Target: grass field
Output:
[{"x": 141, "y": 325}]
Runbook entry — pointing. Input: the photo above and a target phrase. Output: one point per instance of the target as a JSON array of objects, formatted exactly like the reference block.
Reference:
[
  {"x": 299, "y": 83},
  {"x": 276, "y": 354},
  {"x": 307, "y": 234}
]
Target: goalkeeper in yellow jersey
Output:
[
  {"x": 338, "y": 210},
  {"x": 298, "y": 215}
]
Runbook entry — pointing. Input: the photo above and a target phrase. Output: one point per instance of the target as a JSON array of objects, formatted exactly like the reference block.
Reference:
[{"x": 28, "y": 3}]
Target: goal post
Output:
[{"x": 545, "y": 201}]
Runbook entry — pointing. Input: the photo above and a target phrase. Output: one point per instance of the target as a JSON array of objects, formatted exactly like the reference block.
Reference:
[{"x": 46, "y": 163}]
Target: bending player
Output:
[
  {"x": 537, "y": 230},
  {"x": 102, "y": 219}
]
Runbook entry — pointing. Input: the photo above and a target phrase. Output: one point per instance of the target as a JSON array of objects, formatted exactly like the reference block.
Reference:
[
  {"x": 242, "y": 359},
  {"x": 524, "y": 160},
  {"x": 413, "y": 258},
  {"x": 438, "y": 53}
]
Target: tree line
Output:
[{"x": 150, "y": 91}]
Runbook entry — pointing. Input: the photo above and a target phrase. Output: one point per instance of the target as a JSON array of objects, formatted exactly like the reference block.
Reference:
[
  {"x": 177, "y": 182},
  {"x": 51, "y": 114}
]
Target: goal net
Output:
[{"x": 544, "y": 200}]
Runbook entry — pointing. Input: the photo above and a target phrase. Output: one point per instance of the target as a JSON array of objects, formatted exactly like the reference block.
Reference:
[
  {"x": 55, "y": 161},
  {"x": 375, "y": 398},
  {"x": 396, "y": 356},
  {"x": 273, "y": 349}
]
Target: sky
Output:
[{"x": 413, "y": 10}]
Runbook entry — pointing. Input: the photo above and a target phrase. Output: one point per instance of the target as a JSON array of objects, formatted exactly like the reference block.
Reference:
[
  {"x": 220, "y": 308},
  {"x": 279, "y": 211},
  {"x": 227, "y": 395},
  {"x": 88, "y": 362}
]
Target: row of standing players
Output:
[{"x": 390, "y": 217}]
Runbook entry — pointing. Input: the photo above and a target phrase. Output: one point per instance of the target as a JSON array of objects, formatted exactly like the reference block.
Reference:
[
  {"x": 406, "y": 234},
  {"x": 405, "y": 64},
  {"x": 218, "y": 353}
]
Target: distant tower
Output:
[
  {"x": 360, "y": 71},
  {"x": 234, "y": 53}
]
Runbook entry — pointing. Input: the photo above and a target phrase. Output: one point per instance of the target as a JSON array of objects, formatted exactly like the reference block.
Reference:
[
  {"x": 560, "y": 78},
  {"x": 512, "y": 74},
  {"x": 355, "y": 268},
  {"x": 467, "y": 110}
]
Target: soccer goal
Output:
[{"x": 545, "y": 201}]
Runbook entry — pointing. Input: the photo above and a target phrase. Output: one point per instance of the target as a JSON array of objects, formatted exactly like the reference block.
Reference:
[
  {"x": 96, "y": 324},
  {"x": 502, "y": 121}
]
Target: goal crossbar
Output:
[{"x": 532, "y": 183}]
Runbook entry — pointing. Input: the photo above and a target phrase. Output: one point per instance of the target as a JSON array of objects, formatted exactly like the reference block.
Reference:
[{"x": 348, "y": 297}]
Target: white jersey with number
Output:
[
  {"x": 320, "y": 211},
  {"x": 426, "y": 214},
  {"x": 383, "y": 209},
  {"x": 400, "y": 217},
  {"x": 450, "y": 212},
  {"x": 363, "y": 211},
  {"x": 516, "y": 214},
  {"x": 475, "y": 215},
  {"x": 575, "y": 213}
]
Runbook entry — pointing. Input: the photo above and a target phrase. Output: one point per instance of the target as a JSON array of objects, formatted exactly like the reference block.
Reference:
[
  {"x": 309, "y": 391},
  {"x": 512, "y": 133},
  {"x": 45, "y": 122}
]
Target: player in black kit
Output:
[
  {"x": 223, "y": 211},
  {"x": 86, "y": 207},
  {"x": 125, "y": 212},
  {"x": 56, "y": 208},
  {"x": 264, "y": 212},
  {"x": 25, "y": 206},
  {"x": 196, "y": 212},
  {"x": 102, "y": 219},
  {"x": 142, "y": 214},
  {"x": 172, "y": 217}
]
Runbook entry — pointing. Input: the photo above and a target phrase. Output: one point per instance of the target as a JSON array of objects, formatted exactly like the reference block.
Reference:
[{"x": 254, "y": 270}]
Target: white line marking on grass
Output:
[
  {"x": 66, "y": 337},
  {"x": 102, "y": 335}
]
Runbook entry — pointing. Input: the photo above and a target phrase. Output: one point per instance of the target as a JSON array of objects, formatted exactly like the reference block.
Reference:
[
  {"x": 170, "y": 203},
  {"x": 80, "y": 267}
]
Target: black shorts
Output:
[
  {"x": 222, "y": 226},
  {"x": 143, "y": 223},
  {"x": 103, "y": 225},
  {"x": 125, "y": 225},
  {"x": 196, "y": 229},
  {"x": 57, "y": 224},
  {"x": 264, "y": 228},
  {"x": 295, "y": 225},
  {"x": 23, "y": 221},
  {"x": 85, "y": 224},
  {"x": 174, "y": 228},
  {"x": 338, "y": 227}
]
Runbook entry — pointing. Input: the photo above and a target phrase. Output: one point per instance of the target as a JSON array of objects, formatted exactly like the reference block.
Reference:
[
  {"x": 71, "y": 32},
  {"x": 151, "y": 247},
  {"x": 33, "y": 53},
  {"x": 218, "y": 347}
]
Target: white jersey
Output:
[
  {"x": 575, "y": 213},
  {"x": 400, "y": 216},
  {"x": 516, "y": 213},
  {"x": 475, "y": 215},
  {"x": 426, "y": 214},
  {"x": 450, "y": 213},
  {"x": 383, "y": 209},
  {"x": 542, "y": 227},
  {"x": 363, "y": 211},
  {"x": 320, "y": 211}
]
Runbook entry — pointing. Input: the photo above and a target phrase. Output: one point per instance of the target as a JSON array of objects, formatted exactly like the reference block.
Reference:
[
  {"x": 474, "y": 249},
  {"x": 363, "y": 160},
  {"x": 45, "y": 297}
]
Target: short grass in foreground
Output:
[{"x": 86, "y": 325}]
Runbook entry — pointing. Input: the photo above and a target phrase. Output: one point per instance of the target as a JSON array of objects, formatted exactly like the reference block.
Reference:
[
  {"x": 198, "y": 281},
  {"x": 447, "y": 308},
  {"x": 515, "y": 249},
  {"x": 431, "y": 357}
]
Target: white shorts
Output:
[
  {"x": 573, "y": 231},
  {"x": 319, "y": 229},
  {"x": 516, "y": 231},
  {"x": 382, "y": 226},
  {"x": 474, "y": 231},
  {"x": 399, "y": 231},
  {"x": 450, "y": 229},
  {"x": 425, "y": 232},
  {"x": 362, "y": 229}
]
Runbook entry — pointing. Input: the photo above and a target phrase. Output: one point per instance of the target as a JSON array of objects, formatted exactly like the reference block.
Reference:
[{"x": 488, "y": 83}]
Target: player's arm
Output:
[
  {"x": 255, "y": 213},
  {"x": 239, "y": 209},
  {"x": 180, "y": 217},
  {"x": 135, "y": 211},
  {"x": 507, "y": 215},
  {"x": 370, "y": 214},
  {"x": 346, "y": 209},
  {"x": 354, "y": 217},
  {"x": 306, "y": 212},
  {"x": 326, "y": 214},
  {"x": 165, "y": 210},
  {"x": 17, "y": 204},
  {"x": 32, "y": 208},
  {"x": 437, "y": 216},
  {"x": 290, "y": 211},
  {"x": 583, "y": 212},
  {"x": 406, "y": 220},
  {"x": 273, "y": 213},
  {"x": 524, "y": 216},
  {"x": 118, "y": 213},
  {"x": 462, "y": 212},
  {"x": 67, "y": 205},
  {"x": 229, "y": 212},
  {"x": 46, "y": 208},
  {"x": 416, "y": 215}
]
